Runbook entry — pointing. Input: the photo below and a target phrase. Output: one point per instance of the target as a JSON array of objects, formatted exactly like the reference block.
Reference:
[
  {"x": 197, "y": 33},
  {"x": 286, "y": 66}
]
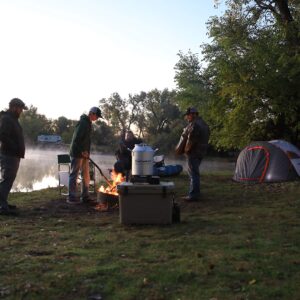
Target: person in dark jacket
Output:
[
  {"x": 12, "y": 149},
  {"x": 196, "y": 136},
  {"x": 79, "y": 153},
  {"x": 123, "y": 154}
]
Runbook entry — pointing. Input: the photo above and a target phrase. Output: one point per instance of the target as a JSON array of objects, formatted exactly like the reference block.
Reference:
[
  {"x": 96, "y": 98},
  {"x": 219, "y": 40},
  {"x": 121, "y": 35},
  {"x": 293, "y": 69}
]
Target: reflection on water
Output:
[{"x": 39, "y": 169}]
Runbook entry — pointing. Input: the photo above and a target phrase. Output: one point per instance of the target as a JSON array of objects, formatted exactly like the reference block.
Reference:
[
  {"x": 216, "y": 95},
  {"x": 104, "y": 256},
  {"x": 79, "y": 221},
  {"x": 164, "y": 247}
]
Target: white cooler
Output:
[{"x": 143, "y": 203}]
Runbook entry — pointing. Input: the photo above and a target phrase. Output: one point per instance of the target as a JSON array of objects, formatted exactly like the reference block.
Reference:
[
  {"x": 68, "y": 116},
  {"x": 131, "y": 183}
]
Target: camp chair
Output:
[{"x": 64, "y": 168}]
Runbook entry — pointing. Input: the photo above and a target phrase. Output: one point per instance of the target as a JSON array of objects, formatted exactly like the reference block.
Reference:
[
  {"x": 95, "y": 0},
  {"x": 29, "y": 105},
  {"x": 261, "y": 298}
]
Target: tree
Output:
[
  {"x": 137, "y": 116},
  {"x": 163, "y": 119},
  {"x": 192, "y": 88},
  {"x": 151, "y": 115},
  {"x": 254, "y": 69},
  {"x": 35, "y": 124},
  {"x": 65, "y": 128},
  {"x": 102, "y": 135},
  {"x": 115, "y": 111},
  {"x": 160, "y": 110},
  {"x": 121, "y": 113}
]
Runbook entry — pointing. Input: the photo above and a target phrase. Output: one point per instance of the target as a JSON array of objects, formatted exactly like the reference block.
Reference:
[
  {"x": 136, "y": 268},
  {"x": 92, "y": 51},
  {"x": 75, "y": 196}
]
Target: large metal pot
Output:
[{"x": 142, "y": 160}]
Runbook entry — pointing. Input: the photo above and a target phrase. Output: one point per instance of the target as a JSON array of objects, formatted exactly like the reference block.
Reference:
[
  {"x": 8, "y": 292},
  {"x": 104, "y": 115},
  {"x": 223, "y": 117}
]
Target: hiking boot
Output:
[
  {"x": 73, "y": 201},
  {"x": 87, "y": 200},
  {"x": 8, "y": 212}
]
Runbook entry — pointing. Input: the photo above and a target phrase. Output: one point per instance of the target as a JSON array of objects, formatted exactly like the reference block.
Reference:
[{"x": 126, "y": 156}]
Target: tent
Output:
[{"x": 263, "y": 161}]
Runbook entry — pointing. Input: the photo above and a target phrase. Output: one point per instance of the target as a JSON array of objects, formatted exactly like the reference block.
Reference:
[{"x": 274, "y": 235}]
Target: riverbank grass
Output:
[{"x": 239, "y": 242}]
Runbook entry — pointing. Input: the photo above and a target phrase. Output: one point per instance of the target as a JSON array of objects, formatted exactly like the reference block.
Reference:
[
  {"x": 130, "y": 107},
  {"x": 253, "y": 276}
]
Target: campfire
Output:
[
  {"x": 108, "y": 196},
  {"x": 117, "y": 178}
]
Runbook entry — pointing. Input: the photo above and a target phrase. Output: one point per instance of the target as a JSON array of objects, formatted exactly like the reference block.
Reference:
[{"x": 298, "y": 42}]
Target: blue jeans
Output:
[
  {"x": 194, "y": 173},
  {"x": 9, "y": 169},
  {"x": 79, "y": 165}
]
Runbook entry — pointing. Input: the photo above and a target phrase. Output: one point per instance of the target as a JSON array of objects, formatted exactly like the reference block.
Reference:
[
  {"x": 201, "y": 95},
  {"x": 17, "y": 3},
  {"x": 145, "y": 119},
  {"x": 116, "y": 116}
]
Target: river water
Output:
[{"x": 39, "y": 169}]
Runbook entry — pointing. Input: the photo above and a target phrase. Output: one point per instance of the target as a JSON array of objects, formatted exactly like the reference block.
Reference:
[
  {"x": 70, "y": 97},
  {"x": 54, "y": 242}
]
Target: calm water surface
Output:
[{"x": 39, "y": 168}]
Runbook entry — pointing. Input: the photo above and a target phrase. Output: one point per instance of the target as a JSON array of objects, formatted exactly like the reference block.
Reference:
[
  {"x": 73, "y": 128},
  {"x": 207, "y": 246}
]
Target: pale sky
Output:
[{"x": 63, "y": 56}]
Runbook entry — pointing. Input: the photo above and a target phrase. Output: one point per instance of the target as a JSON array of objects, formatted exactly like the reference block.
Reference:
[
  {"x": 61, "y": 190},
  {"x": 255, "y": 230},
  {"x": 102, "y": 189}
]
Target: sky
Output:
[{"x": 63, "y": 56}]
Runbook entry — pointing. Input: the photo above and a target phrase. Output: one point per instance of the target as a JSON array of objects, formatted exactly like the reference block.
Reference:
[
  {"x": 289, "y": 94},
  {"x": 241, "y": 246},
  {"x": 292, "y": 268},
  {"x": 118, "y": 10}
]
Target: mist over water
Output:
[{"x": 39, "y": 169}]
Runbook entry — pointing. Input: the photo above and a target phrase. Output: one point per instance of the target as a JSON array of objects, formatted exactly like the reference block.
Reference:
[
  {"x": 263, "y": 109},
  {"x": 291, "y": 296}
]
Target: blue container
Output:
[{"x": 168, "y": 170}]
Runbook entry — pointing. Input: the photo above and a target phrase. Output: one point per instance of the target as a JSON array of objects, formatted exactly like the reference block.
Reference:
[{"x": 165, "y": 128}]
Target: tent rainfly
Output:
[{"x": 273, "y": 161}]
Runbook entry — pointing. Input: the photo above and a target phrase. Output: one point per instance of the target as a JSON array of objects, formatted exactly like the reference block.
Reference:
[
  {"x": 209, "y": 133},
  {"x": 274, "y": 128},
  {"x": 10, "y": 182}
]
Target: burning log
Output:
[{"x": 108, "y": 196}]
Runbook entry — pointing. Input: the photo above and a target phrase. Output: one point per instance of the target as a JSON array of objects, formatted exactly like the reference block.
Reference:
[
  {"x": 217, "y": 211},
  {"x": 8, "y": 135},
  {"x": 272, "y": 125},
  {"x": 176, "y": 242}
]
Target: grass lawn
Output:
[{"x": 239, "y": 242}]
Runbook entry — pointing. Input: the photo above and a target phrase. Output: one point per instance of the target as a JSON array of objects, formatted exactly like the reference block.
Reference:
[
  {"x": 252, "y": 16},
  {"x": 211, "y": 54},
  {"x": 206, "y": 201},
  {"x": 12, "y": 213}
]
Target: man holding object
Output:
[
  {"x": 80, "y": 152},
  {"x": 194, "y": 143}
]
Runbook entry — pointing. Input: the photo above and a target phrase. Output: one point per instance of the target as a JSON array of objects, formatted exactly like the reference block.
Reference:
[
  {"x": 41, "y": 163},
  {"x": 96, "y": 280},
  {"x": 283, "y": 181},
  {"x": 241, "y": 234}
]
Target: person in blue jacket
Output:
[{"x": 80, "y": 153}]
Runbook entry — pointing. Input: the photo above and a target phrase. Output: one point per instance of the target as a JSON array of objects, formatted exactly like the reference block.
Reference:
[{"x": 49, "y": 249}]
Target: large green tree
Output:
[
  {"x": 192, "y": 86},
  {"x": 163, "y": 120},
  {"x": 253, "y": 65}
]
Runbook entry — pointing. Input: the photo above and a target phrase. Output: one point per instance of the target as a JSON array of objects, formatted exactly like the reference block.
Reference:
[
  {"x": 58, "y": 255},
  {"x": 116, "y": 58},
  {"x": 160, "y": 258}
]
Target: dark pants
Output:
[
  {"x": 9, "y": 169},
  {"x": 194, "y": 173},
  {"x": 79, "y": 165}
]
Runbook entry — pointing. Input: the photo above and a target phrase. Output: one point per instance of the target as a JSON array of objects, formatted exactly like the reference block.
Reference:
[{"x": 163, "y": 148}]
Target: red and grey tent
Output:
[{"x": 273, "y": 161}]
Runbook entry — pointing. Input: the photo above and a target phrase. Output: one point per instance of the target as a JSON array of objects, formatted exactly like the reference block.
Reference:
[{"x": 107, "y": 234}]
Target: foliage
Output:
[
  {"x": 166, "y": 141},
  {"x": 115, "y": 112},
  {"x": 35, "y": 124},
  {"x": 103, "y": 135},
  {"x": 192, "y": 86},
  {"x": 254, "y": 68},
  {"x": 160, "y": 111},
  {"x": 65, "y": 128},
  {"x": 239, "y": 242},
  {"x": 121, "y": 113},
  {"x": 152, "y": 115}
]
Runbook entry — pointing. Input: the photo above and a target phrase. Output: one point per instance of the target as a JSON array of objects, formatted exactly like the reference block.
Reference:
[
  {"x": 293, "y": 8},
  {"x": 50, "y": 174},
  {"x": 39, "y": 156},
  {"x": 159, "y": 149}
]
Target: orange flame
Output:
[{"x": 117, "y": 178}]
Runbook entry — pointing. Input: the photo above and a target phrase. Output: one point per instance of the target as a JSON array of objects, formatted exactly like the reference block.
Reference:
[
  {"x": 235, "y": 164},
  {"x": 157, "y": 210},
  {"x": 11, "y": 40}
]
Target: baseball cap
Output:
[
  {"x": 191, "y": 110},
  {"x": 96, "y": 110},
  {"x": 17, "y": 102}
]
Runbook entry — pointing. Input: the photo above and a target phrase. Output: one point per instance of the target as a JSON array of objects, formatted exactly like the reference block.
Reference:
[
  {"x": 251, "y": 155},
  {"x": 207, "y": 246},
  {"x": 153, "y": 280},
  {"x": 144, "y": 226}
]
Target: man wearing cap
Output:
[
  {"x": 80, "y": 152},
  {"x": 12, "y": 149},
  {"x": 196, "y": 136}
]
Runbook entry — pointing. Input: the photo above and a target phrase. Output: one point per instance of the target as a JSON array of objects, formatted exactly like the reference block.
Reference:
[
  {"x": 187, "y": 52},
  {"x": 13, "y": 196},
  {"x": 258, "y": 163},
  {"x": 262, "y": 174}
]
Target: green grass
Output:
[{"x": 239, "y": 242}]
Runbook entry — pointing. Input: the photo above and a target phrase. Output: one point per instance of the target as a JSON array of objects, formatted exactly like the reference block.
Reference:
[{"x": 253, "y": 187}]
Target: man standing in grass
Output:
[
  {"x": 196, "y": 135},
  {"x": 80, "y": 152},
  {"x": 12, "y": 149}
]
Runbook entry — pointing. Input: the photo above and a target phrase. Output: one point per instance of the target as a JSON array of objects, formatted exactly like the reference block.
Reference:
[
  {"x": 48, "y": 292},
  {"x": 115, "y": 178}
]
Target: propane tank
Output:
[{"x": 142, "y": 160}]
